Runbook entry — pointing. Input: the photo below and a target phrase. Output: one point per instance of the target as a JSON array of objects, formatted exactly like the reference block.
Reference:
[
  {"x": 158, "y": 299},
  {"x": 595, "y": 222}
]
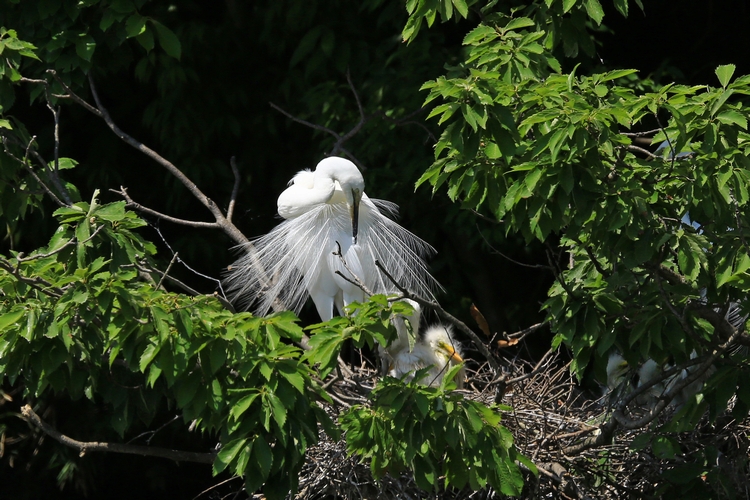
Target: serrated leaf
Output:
[
  {"x": 731, "y": 117},
  {"x": 520, "y": 22},
  {"x": 148, "y": 356},
  {"x": 242, "y": 405},
  {"x": 227, "y": 454},
  {"x": 263, "y": 456},
  {"x": 724, "y": 74},
  {"x": 594, "y": 10},
  {"x": 461, "y": 7}
]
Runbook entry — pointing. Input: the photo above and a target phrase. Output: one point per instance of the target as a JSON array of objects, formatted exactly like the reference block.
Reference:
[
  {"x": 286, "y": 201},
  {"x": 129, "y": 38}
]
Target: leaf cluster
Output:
[
  {"x": 644, "y": 189},
  {"x": 77, "y": 320},
  {"x": 448, "y": 441}
]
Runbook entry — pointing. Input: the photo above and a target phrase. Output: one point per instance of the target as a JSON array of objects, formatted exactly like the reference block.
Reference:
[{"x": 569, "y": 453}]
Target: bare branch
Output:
[
  {"x": 92, "y": 446},
  {"x": 362, "y": 118},
  {"x": 221, "y": 221},
  {"x": 31, "y": 171},
  {"x": 235, "y": 188},
  {"x": 137, "y": 206},
  {"x": 166, "y": 272},
  {"x": 354, "y": 280},
  {"x": 305, "y": 122},
  {"x": 72, "y": 96},
  {"x": 641, "y": 134},
  {"x": 56, "y": 114},
  {"x": 495, "y": 250},
  {"x": 20, "y": 258},
  {"x": 215, "y": 486},
  {"x": 638, "y": 149}
]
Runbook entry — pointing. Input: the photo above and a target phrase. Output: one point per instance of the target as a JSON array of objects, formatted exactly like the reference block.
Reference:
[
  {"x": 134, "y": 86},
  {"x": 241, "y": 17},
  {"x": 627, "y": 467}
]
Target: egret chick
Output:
[
  {"x": 617, "y": 372},
  {"x": 327, "y": 211},
  {"x": 437, "y": 349},
  {"x": 649, "y": 371}
]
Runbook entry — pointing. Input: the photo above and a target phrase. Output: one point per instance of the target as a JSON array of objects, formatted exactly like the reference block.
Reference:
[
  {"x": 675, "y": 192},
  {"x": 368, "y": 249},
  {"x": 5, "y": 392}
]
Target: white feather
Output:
[{"x": 296, "y": 258}]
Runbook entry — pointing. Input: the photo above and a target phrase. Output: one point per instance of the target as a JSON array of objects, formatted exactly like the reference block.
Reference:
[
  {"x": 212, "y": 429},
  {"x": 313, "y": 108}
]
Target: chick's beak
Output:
[
  {"x": 453, "y": 355},
  {"x": 354, "y": 213}
]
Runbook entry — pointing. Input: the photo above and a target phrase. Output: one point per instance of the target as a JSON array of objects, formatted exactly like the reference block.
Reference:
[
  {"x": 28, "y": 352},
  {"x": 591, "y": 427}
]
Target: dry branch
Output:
[{"x": 92, "y": 446}]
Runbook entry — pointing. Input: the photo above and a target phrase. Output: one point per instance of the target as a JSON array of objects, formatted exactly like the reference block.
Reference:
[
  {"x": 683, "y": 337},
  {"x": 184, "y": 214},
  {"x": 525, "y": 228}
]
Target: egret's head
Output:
[
  {"x": 617, "y": 369},
  {"x": 442, "y": 344},
  {"x": 351, "y": 181}
]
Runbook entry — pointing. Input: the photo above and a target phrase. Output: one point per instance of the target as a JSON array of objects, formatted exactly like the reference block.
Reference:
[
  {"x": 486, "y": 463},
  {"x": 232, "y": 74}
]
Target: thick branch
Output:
[
  {"x": 92, "y": 446},
  {"x": 221, "y": 221}
]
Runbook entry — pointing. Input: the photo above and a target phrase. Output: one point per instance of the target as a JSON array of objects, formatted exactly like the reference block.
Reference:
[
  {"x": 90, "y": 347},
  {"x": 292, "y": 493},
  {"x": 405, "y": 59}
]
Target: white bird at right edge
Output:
[{"x": 327, "y": 210}]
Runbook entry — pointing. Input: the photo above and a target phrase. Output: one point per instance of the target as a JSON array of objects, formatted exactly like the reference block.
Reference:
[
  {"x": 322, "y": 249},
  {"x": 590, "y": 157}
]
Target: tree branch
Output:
[
  {"x": 25, "y": 164},
  {"x": 36, "y": 282},
  {"x": 235, "y": 188},
  {"x": 137, "y": 206},
  {"x": 92, "y": 446}
]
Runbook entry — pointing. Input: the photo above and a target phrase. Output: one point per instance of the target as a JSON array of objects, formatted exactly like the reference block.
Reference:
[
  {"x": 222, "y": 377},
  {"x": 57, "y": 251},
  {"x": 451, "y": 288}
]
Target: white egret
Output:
[
  {"x": 326, "y": 210},
  {"x": 617, "y": 372},
  {"x": 649, "y": 371},
  {"x": 436, "y": 349}
]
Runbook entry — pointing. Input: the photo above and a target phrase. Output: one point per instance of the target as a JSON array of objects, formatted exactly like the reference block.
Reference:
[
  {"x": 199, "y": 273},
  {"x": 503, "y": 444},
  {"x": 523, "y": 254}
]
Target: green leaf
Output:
[
  {"x": 135, "y": 25},
  {"x": 520, "y": 22},
  {"x": 168, "y": 40},
  {"x": 594, "y": 10},
  {"x": 242, "y": 405},
  {"x": 148, "y": 356},
  {"x": 724, "y": 74},
  {"x": 10, "y": 318},
  {"x": 665, "y": 448},
  {"x": 85, "y": 47},
  {"x": 622, "y": 7},
  {"x": 461, "y": 7},
  {"x": 480, "y": 33},
  {"x": 227, "y": 454},
  {"x": 262, "y": 456},
  {"x": 731, "y": 117}
]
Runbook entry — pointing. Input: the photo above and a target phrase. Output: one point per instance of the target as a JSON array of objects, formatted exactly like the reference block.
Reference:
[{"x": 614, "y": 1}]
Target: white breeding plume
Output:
[{"x": 324, "y": 210}]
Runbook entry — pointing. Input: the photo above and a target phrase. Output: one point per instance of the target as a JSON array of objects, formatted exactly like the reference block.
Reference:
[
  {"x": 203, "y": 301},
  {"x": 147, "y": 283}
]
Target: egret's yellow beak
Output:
[
  {"x": 354, "y": 212},
  {"x": 452, "y": 354}
]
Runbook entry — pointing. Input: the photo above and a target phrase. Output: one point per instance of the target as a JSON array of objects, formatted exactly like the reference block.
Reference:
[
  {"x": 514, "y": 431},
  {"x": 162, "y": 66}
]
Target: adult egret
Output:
[
  {"x": 435, "y": 349},
  {"x": 327, "y": 211}
]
